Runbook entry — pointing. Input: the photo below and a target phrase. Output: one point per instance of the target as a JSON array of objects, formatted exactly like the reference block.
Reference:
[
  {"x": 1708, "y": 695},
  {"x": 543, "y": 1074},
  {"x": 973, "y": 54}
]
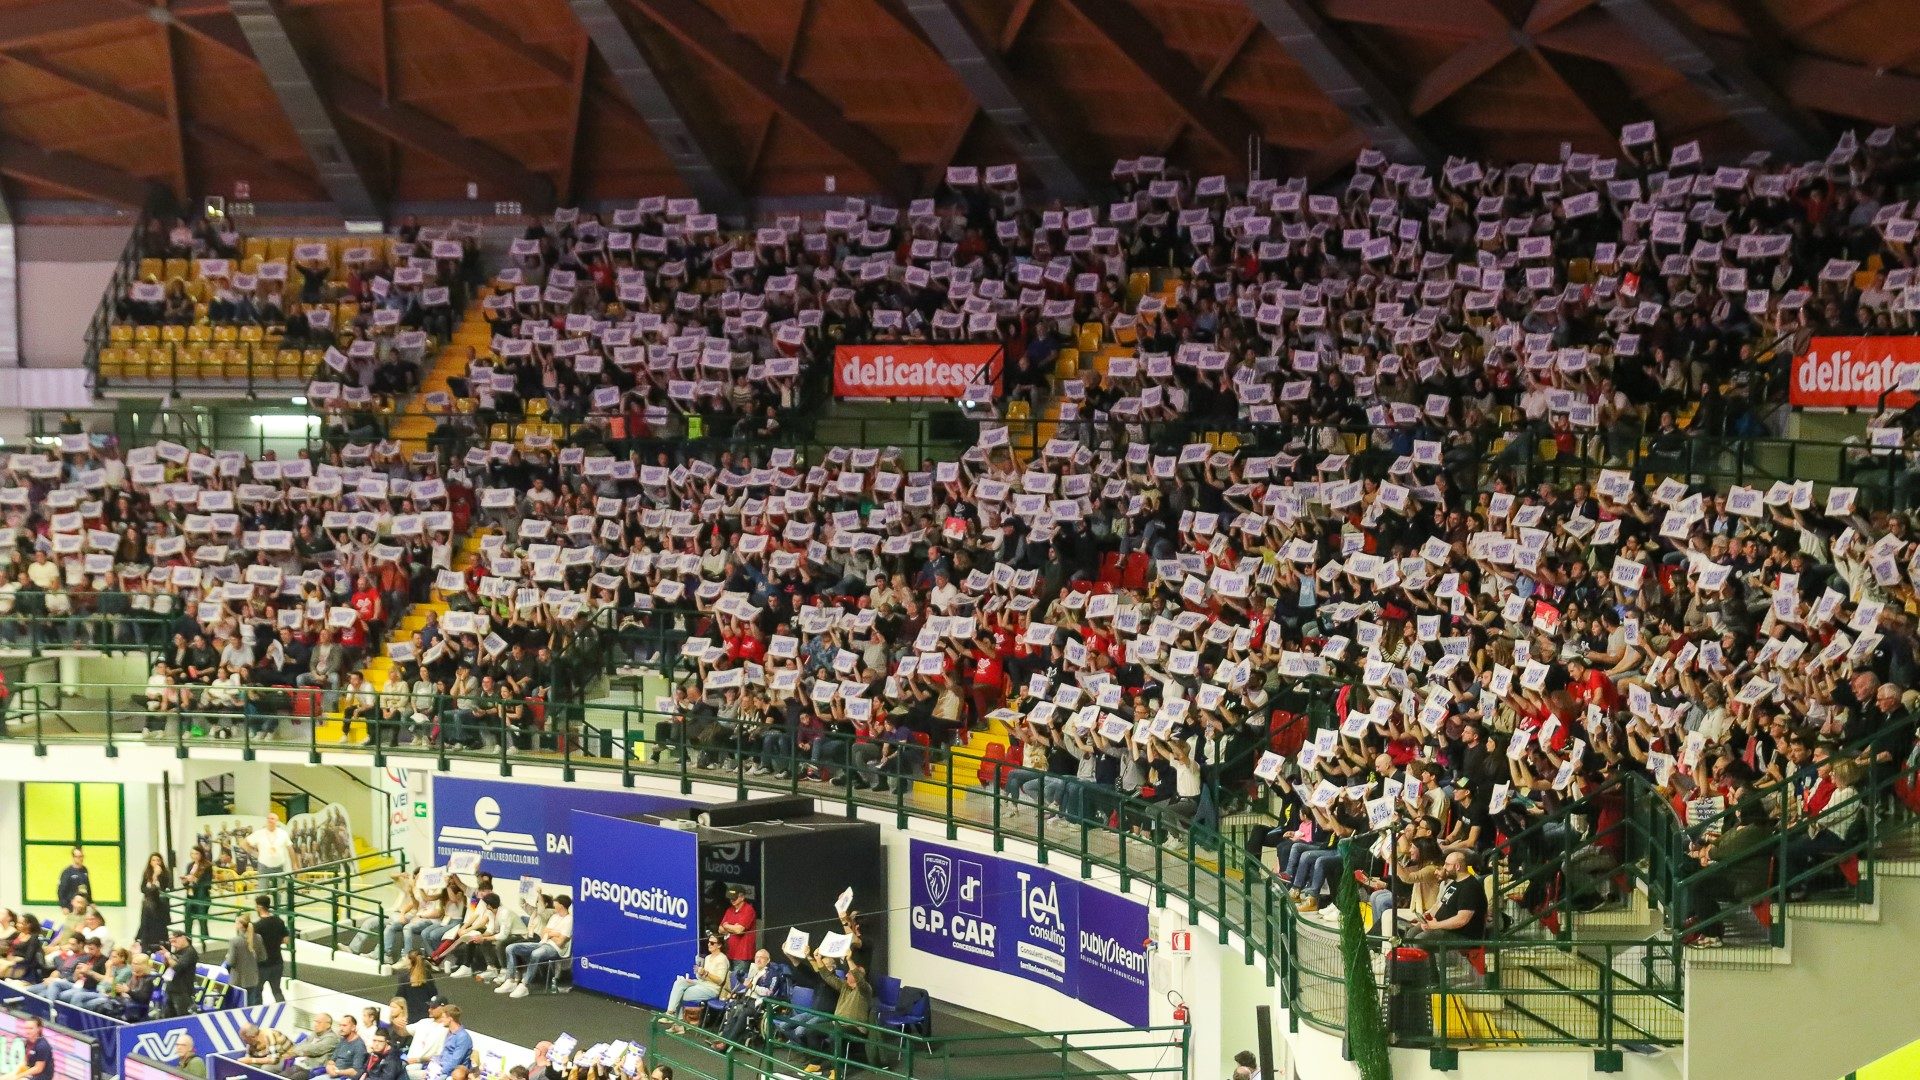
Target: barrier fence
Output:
[{"x": 1534, "y": 981}]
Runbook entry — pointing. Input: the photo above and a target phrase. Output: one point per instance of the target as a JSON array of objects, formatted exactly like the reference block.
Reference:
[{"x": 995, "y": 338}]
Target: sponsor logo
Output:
[
  {"x": 935, "y": 371},
  {"x": 885, "y": 371},
  {"x": 159, "y": 1045},
  {"x": 628, "y": 898},
  {"x": 485, "y": 834},
  {"x": 937, "y": 872},
  {"x": 1111, "y": 953}
]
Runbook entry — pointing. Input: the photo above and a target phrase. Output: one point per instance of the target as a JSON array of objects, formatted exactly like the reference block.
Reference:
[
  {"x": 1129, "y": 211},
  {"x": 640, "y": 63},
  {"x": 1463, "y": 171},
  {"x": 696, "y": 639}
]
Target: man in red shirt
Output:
[
  {"x": 738, "y": 925},
  {"x": 1591, "y": 686}
]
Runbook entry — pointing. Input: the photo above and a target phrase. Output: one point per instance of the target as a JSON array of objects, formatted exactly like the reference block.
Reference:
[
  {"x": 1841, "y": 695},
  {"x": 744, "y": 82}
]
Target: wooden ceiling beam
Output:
[
  {"x": 72, "y": 174},
  {"x": 1135, "y": 38},
  {"x": 706, "y": 35}
]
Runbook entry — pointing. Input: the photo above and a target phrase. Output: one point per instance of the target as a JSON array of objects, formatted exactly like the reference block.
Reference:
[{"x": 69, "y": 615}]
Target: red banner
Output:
[
  {"x": 908, "y": 371},
  {"x": 1852, "y": 372}
]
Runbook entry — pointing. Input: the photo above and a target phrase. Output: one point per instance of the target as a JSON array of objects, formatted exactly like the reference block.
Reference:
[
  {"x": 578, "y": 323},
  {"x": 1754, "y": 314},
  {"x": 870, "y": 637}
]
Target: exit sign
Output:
[{"x": 420, "y": 808}]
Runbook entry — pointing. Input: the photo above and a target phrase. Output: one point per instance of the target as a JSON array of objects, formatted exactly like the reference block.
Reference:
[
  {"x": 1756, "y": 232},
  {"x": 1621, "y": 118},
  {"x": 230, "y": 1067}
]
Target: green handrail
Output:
[{"x": 1147, "y": 845}]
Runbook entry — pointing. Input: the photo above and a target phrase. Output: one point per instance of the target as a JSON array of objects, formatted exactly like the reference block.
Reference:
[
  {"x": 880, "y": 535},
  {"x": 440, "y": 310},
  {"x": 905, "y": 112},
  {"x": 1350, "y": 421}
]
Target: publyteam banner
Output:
[
  {"x": 636, "y": 907},
  {"x": 523, "y": 830},
  {"x": 1853, "y": 372},
  {"x": 1019, "y": 919},
  {"x": 903, "y": 370}
]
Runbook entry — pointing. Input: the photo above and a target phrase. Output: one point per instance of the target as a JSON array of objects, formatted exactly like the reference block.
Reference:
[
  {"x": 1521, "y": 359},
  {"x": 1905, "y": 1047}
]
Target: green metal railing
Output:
[
  {"x": 326, "y": 903},
  {"x": 1149, "y": 847},
  {"x": 850, "y": 1047}
]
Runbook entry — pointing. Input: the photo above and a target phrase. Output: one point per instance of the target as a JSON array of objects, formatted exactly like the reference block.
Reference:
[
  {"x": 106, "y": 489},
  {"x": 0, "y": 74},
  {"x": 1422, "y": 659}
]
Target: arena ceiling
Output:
[{"x": 369, "y": 103}]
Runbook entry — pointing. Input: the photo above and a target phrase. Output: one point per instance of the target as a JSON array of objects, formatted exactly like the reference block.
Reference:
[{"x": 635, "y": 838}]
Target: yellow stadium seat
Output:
[
  {"x": 278, "y": 248},
  {"x": 1017, "y": 409},
  {"x": 120, "y": 334},
  {"x": 146, "y": 335},
  {"x": 251, "y": 332},
  {"x": 179, "y": 268},
  {"x": 1089, "y": 340},
  {"x": 1066, "y": 364},
  {"x": 1138, "y": 283},
  {"x": 152, "y": 268},
  {"x": 251, "y": 264},
  {"x": 256, "y": 249},
  {"x": 226, "y": 335},
  {"x": 200, "y": 334},
  {"x": 1127, "y": 335},
  {"x": 1579, "y": 271},
  {"x": 313, "y": 358},
  {"x": 346, "y": 312},
  {"x": 536, "y": 408},
  {"x": 113, "y": 364},
  {"x": 173, "y": 333},
  {"x": 237, "y": 365},
  {"x": 160, "y": 365}
]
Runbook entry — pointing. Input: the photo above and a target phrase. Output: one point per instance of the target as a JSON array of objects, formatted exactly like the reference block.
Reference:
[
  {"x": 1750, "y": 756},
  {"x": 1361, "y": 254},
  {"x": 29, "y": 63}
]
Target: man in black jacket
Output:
[
  {"x": 183, "y": 975},
  {"x": 382, "y": 1062}
]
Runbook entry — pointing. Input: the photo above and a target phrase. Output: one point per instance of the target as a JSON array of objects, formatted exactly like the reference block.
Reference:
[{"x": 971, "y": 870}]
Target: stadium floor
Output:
[{"x": 593, "y": 1018}]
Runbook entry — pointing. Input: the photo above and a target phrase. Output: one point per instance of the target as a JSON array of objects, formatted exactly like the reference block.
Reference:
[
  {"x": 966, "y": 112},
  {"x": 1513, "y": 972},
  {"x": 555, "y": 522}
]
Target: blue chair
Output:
[
  {"x": 916, "y": 1020},
  {"x": 802, "y": 998},
  {"x": 886, "y": 997}
]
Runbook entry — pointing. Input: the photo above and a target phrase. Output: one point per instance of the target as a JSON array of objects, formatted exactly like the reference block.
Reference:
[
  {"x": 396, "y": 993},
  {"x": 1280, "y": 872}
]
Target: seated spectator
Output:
[
  {"x": 708, "y": 980},
  {"x": 313, "y": 1054},
  {"x": 528, "y": 958}
]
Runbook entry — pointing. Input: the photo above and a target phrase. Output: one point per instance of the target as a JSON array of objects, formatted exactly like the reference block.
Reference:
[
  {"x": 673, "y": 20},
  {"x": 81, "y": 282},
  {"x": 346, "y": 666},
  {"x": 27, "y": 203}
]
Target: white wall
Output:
[
  {"x": 64, "y": 270},
  {"x": 1844, "y": 1001},
  {"x": 143, "y": 825}
]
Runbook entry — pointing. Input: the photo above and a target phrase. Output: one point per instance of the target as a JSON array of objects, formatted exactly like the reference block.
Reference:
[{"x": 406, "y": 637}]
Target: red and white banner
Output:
[
  {"x": 907, "y": 371},
  {"x": 1852, "y": 372}
]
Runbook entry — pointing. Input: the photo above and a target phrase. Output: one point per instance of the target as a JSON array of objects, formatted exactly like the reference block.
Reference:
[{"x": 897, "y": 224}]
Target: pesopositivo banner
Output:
[
  {"x": 636, "y": 914},
  {"x": 1019, "y": 919}
]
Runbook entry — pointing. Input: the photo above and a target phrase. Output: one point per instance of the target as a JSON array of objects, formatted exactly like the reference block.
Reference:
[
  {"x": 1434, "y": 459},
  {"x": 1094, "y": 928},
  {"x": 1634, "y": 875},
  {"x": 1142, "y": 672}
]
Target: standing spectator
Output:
[
  {"x": 271, "y": 848},
  {"x": 243, "y": 959},
  {"x": 155, "y": 911},
  {"x": 74, "y": 880},
  {"x": 199, "y": 882},
  {"x": 183, "y": 975},
  {"x": 738, "y": 925},
  {"x": 271, "y": 933}
]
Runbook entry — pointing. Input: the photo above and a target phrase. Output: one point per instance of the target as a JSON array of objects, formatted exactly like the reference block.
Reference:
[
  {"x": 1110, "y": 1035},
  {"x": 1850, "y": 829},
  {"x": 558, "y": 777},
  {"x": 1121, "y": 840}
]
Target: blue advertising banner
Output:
[
  {"x": 213, "y": 1033},
  {"x": 523, "y": 829},
  {"x": 636, "y": 907},
  {"x": 1020, "y": 919}
]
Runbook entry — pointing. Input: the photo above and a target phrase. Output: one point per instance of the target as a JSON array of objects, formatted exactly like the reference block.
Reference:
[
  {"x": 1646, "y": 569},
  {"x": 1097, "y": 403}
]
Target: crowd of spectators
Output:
[
  {"x": 243, "y": 578},
  {"x": 369, "y": 308}
]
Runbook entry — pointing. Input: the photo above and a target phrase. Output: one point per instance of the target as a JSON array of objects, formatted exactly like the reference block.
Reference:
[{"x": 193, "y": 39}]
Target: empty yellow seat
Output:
[
  {"x": 226, "y": 335},
  {"x": 1066, "y": 364},
  {"x": 199, "y": 334},
  {"x": 1090, "y": 337},
  {"x": 120, "y": 334},
  {"x": 251, "y": 332},
  {"x": 1017, "y": 409},
  {"x": 173, "y": 333},
  {"x": 113, "y": 364},
  {"x": 179, "y": 268},
  {"x": 256, "y": 249},
  {"x": 1138, "y": 283},
  {"x": 146, "y": 335}
]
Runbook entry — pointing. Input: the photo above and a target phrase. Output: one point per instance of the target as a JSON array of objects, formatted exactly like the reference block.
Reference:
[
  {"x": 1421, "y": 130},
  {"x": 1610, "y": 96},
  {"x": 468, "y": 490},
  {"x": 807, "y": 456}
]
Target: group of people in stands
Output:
[{"x": 1138, "y": 607}]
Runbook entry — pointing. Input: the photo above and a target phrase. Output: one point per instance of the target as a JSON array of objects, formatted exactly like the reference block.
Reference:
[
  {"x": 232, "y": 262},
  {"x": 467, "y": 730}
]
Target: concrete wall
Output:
[
  {"x": 1845, "y": 1000},
  {"x": 64, "y": 271}
]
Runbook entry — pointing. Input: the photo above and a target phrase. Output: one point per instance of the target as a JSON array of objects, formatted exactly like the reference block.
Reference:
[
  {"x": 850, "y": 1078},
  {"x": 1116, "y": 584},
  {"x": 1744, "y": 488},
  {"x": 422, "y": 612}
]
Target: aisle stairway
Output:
[
  {"x": 413, "y": 425},
  {"x": 411, "y": 430}
]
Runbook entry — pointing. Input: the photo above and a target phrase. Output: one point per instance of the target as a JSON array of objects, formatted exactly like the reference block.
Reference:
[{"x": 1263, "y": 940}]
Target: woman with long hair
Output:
[
  {"x": 156, "y": 911},
  {"x": 416, "y": 987},
  {"x": 243, "y": 958},
  {"x": 198, "y": 880}
]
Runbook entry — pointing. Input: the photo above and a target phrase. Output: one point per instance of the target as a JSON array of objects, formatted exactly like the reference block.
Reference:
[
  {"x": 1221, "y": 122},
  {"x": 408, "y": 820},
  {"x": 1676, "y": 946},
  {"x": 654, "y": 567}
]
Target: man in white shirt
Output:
[
  {"x": 272, "y": 847},
  {"x": 525, "y": 958},
  {"x": 429, "y": 1036}
]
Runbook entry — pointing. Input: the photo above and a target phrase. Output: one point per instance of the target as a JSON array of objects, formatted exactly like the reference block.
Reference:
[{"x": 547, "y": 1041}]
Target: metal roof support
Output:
[
  {"x": 696, "y": 161},
  {"x": 1010, "y": 104},
  {"x": 279, "y": 58},
  {"x": 1337, "y": 69},
  {"x": 1774, "y": 121}
]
